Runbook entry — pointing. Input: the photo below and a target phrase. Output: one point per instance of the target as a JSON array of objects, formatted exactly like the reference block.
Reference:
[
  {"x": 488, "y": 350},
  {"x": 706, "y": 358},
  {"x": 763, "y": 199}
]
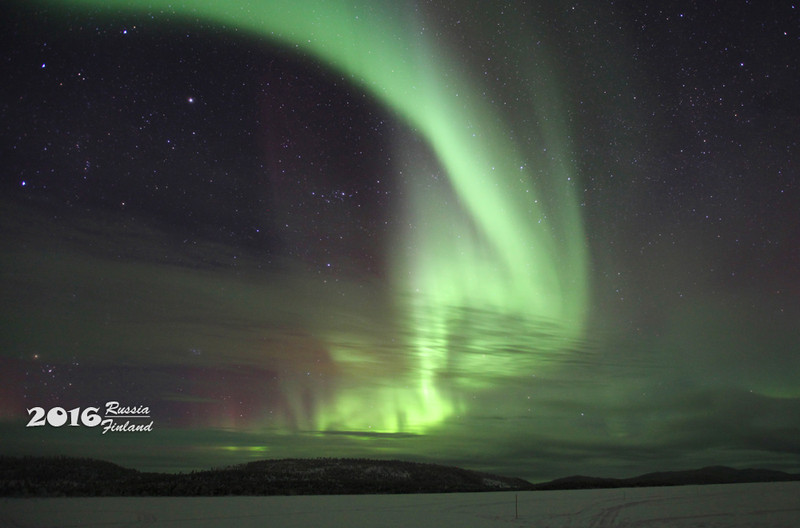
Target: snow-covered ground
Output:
[{"x": 772, "y": 505}]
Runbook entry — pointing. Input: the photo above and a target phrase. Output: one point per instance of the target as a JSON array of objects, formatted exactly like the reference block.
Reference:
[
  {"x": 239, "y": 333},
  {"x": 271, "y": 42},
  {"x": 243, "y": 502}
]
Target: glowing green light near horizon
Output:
[{"x": 483, "y": 243}]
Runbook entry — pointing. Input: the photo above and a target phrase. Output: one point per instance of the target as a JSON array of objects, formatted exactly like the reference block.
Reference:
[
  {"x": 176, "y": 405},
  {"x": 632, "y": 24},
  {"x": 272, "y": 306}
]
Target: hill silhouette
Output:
[
  {"x": 85, "y": 477},
  {"x": 706, "y": 475},
  {"x": 63, "y": 476}
]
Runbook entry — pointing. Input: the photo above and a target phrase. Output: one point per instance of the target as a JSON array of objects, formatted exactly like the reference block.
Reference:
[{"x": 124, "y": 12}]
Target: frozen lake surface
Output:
[{"x": 773, "y": 505}]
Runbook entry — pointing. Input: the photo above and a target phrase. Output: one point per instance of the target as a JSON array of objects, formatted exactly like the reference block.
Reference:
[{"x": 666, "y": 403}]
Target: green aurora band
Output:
[{"x": 485, "y": 245}]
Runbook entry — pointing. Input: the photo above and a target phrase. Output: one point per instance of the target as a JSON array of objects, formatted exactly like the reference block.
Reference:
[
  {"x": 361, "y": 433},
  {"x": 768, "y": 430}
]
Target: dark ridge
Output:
[
  {"x": 707, "y": 475},
  {"x": 577, "y": 482},
  {"x": 85, "y": 477},
  {"x": 82, "y": 477}
]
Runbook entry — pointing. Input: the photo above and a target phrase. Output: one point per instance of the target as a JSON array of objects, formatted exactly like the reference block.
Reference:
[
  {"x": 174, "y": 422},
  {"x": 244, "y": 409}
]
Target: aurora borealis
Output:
[{"x": 533, "y": 238}]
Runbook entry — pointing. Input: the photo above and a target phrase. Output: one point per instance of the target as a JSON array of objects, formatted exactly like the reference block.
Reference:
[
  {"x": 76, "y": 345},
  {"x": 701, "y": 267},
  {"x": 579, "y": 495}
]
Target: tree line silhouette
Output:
[{"x": 73, "y": 477}]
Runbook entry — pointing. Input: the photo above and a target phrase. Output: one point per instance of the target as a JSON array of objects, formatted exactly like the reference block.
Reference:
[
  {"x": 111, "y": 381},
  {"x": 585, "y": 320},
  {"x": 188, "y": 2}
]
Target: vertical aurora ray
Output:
[{"x": 480, "y": 241}]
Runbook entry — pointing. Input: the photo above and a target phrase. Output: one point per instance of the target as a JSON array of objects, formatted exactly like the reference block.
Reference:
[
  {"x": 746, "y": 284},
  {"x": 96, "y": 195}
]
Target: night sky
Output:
[{"x": 539, "y": 239}]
